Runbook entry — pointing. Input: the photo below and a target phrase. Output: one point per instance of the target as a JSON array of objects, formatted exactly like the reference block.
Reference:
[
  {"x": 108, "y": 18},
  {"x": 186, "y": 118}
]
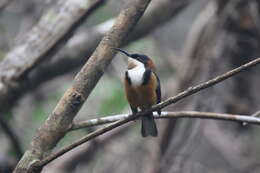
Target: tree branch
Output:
[
  {"x": 85, "y": 154},
  {"x": 171, "y": 100},
  {"x": 165, "y": 115},
  {"x": 61, "y": 118},
  {"x": 4, "y": 4},
  {"x": 209, "y": 83},
  {"x": 256, "y": 114},
  {"x": 53, "y": 29}
]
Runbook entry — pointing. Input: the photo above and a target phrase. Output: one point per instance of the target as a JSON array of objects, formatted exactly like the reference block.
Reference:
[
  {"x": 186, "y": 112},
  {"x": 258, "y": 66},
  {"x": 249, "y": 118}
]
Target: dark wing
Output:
[
  {"x": 158, "y": 92},
  {"x": 127, "y": 78},
  {"x": 147, "y": 76}
]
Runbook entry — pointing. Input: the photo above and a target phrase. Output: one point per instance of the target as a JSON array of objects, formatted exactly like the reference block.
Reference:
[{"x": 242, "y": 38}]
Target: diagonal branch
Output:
[
  {"x": 53, "y": 29},
  {"x": 171, "y": 100},
  {"x": 256, "y": 114},
  {"x": 85, "y": 154},
  {"x": 61, "y": 118},
  {"x": 4, "y": 4},
  {"x": 165, "y": 115},
  {"x": 209, "y": 83}
]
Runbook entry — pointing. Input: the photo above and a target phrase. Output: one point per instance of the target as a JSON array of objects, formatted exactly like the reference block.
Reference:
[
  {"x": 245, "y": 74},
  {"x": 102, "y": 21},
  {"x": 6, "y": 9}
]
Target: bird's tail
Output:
[{"x": 148, "y": 126}]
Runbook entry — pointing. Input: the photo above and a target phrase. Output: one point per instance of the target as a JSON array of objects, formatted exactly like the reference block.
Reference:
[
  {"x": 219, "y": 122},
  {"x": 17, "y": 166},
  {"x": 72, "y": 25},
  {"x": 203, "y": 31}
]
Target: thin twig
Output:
[
  {"x": 98, "y": 121},
  {"x": 181, "y": 114},
  {"x": 256, "y": 114},
  {"x": 171, "y": 100},
  {"x": 204, "y": 85},
  {"x": 88, "y": 137},
  {"x": 71, "y": 160}
]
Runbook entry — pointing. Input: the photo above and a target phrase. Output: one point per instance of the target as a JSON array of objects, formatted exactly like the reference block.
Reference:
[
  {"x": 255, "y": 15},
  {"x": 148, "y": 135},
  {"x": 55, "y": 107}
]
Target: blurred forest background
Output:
[{"x": 190, "y": 41}]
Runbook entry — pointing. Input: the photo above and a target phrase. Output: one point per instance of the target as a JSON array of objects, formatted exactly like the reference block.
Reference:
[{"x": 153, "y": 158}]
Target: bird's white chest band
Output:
[{"x": 136, "y": 75}]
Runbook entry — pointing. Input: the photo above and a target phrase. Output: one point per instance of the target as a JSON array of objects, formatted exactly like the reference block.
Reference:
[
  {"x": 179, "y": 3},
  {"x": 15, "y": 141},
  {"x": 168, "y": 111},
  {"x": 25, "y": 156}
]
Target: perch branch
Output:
[
  {"x": 171, "y": 100},
  {"x": 164, "y": 115},
  {"x": 256, "y": 114}
]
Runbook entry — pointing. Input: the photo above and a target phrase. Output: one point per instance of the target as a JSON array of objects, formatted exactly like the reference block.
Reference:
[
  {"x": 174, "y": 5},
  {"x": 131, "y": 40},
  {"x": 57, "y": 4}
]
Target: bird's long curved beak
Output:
[{"x": 122, "y": 51}]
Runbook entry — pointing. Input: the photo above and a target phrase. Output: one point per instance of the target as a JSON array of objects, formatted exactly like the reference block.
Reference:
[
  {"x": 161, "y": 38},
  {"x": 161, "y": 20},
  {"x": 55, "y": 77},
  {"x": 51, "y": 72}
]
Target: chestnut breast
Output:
[{"x": 142, "y": 96}]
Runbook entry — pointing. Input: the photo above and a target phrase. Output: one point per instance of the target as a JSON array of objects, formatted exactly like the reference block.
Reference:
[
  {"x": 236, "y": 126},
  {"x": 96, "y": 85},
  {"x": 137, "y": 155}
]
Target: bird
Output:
[{"x": 142, "y": 88}]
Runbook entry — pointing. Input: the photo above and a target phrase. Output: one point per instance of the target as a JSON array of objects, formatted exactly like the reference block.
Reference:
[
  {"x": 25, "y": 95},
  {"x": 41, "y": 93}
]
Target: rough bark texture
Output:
[
  {"x": 60, "y": 120},
  {"x": 230, "y": 38},
  {"x": 53, "y": 29}
]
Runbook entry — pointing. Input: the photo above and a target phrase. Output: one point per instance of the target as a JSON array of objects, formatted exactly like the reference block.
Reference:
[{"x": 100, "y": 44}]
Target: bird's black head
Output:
[{"x": 139, "y": 57}]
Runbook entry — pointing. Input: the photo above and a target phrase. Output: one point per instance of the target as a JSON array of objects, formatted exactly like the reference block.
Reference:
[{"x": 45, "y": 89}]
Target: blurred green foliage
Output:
[
  {"x": 140, "y": 46},
  {"x": 101, "y": 15},
  {"x": 39, "y": 114},
  {"x": 114, "y": 102}
]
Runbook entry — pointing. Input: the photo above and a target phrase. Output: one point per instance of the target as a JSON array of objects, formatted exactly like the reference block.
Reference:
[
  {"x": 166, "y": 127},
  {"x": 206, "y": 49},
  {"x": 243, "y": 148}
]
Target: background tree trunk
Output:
[{"x": 229, "y": 39}]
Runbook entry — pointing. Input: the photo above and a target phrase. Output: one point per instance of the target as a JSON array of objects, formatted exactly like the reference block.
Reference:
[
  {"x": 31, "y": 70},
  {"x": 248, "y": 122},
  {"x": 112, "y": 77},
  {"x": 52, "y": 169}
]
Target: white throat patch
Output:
[{"x": 136, "y": 74}]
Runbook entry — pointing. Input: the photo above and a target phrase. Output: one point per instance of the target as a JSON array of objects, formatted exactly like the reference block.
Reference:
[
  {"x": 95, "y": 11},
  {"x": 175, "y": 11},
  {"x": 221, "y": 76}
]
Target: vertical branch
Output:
[{"x": 61, "y": 118}]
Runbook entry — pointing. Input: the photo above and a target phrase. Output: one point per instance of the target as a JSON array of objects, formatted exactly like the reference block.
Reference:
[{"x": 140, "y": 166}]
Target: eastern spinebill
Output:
[{"x": 142, "y": 87}]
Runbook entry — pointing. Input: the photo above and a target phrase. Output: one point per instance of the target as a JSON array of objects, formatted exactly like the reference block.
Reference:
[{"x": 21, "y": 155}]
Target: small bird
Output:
[{"x": 142, "y": 87}]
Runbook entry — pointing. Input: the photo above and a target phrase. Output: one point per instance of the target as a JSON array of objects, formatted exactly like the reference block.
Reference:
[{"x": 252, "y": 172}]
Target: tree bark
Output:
[{"x": 61, "y": 118}]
